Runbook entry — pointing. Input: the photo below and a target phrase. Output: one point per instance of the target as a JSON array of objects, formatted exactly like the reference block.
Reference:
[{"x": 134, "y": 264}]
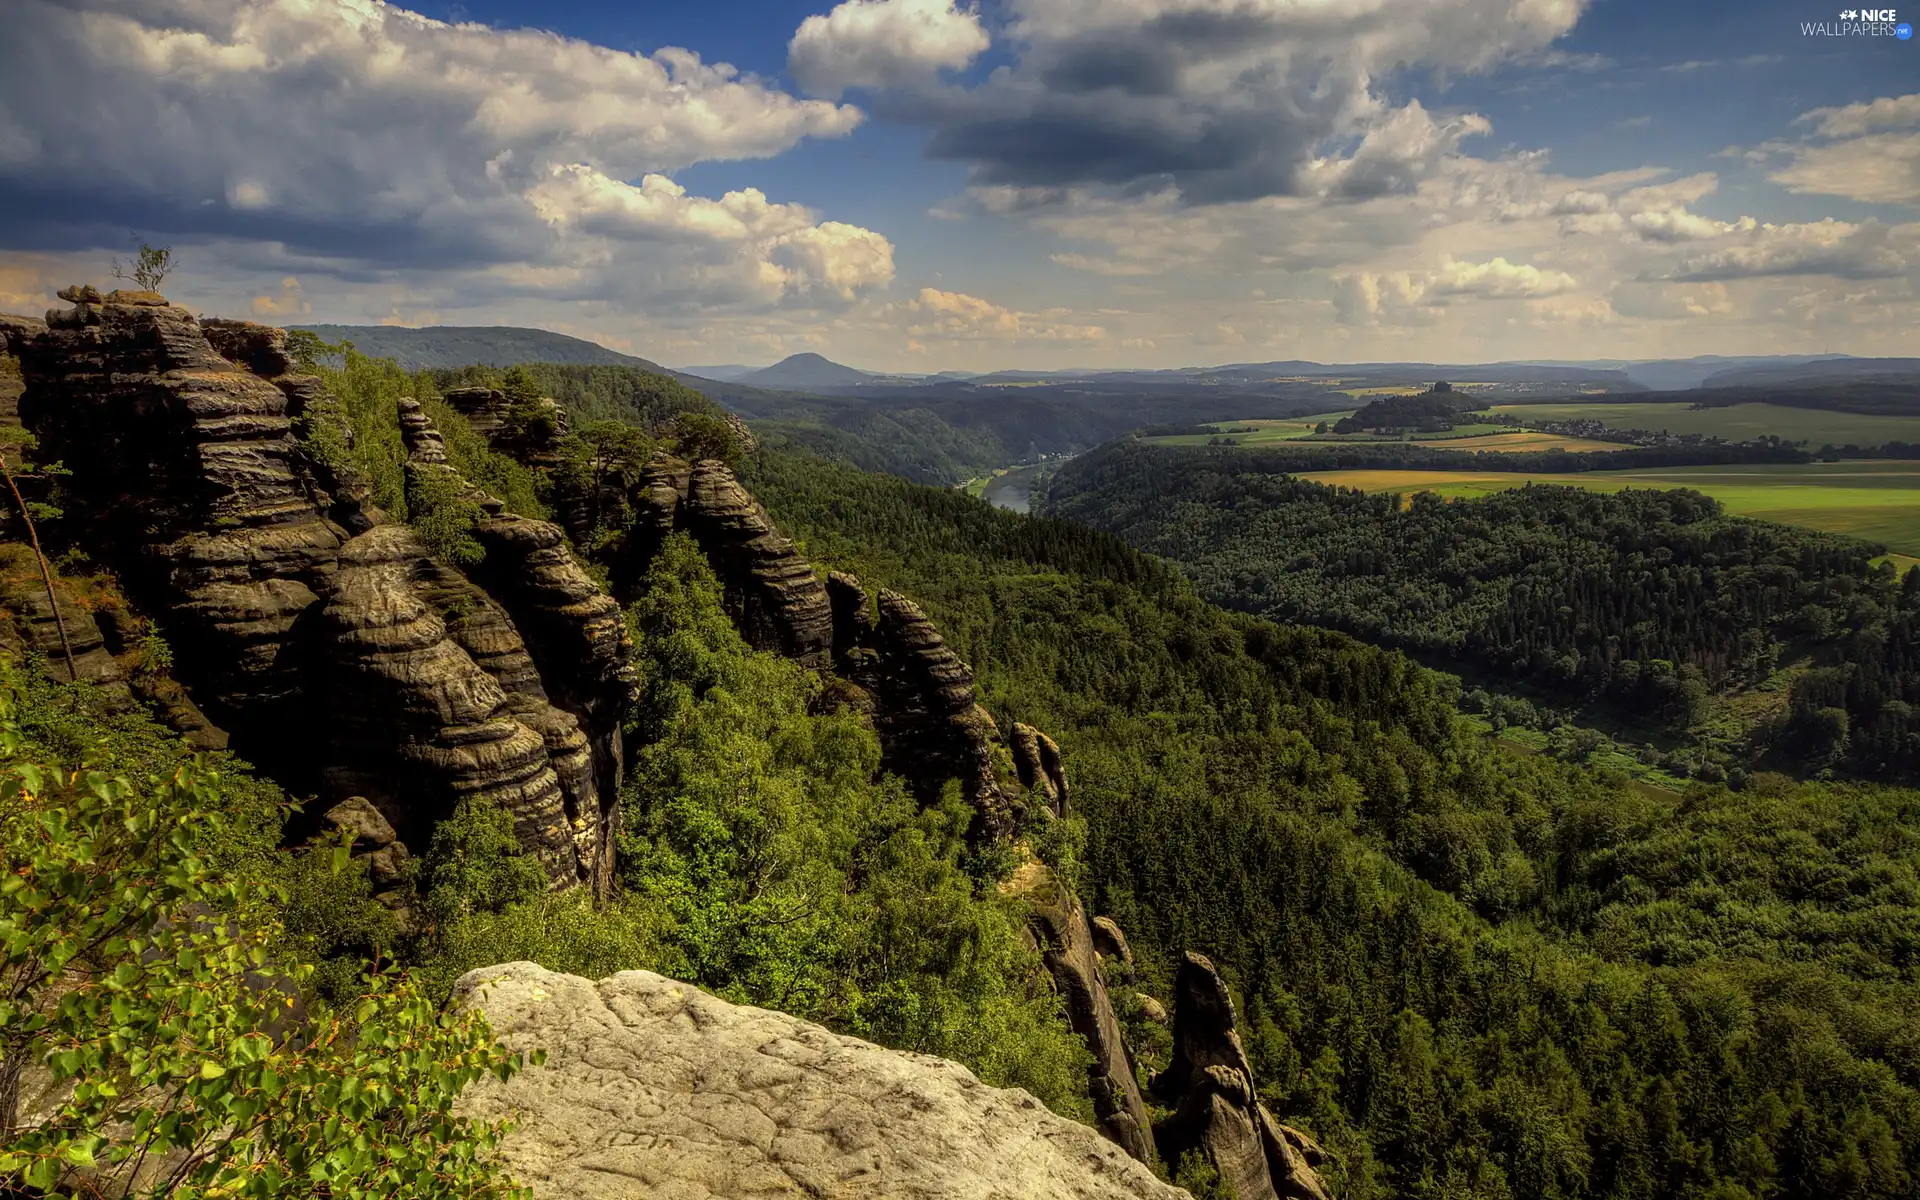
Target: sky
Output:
[{"x": 925, "y": 185}]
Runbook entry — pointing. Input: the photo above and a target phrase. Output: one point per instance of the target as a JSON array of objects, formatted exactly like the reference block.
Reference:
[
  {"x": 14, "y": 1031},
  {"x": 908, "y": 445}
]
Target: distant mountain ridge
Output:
[
  {"x": 805, "y": 371},
  {"x": 434, "y": 346}
]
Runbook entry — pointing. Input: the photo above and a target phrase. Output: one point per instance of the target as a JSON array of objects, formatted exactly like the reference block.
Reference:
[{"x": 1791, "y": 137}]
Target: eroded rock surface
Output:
[
  {"x": 1067, "y": 947},
  {"x": 416, "y": 725},
  {"x": 777, "y": 600},
  {"x": 655, "y": 1089},
  {"x": 1036, "y": 757},
  {"x": 184, "y": 479},
  {"x": 555, "y": 640},
  {"x": 1217, "y": 1108}
]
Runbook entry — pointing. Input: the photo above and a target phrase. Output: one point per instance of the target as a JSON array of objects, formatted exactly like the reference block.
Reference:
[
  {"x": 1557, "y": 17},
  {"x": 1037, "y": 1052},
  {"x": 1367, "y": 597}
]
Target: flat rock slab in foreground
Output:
[{"x": 653, "y": 1088}]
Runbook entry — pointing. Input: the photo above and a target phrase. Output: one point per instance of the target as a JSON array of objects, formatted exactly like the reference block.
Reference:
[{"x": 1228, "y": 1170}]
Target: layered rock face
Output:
[
  {"x": 576, "y": 681},
  {"x": 416, "y": 725},
  {"x": 489, "y": 411},
  {"x": 293, "y": 603},
  {"x": 1036, "y": 758},
  {"x": 183, "y": 478},
  {"x": 920, "y": 695},
  {"x": 779, "y": 603},
  {"x": 1069, "y": 948},
  {"x": 653, "y": 1088},
  {"x": 1217, "y": 1109}
]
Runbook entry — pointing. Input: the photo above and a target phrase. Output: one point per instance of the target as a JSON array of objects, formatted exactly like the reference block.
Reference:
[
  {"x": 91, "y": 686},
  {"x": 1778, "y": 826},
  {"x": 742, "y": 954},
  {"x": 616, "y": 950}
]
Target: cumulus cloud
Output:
[
  {"x": 356, "y": 138},
  {"x": 883, "y": 43},
  {"x": 1841, "y": 249},
  {"x": 935, "y": 315},
  {"x": 1227, "y": 99},
  {"x": 1496, "y": 279},
  {"x": 1868, "y": 152},
  {"x": 287, "y": 302}
]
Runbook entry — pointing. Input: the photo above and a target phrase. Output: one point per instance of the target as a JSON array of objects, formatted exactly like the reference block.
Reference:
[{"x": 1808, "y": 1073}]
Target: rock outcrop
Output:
[
  {"x": 1217, "y": 1110},
  {"x": 416, "y": 725},
  {"x": 375, "y": 848},
  {"x": 654, "y": 1088},
  {"x": 577, "y": 681},
  {"x": 294, "y": 603},
  {"x": 490, "y": 412},
  {"x": 1036, "y": 758},
  {"x": 777, "y": 600},
  {"x": 1067, "y": 946},
  {"x": 184, "y": 480}
]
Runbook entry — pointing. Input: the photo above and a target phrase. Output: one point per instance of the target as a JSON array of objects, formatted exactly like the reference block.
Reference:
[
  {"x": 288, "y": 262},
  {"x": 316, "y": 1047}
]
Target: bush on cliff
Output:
[{"x": 152, "y": 1038}]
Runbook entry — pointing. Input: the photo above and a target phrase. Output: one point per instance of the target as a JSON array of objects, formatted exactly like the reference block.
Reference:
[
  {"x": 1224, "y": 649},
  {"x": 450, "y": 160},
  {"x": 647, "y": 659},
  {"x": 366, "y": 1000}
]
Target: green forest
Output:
[
  {"x": 1652, "y": 602},
  {"x": 1470, "y": 973}
]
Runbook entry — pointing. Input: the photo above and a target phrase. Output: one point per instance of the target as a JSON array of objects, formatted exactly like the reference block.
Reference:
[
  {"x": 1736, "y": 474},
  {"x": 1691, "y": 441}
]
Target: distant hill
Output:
[
  {"x": 1819, "y": 371},
  {"x": 804, "y": 371},
  {"x": 434, "y": 347},
  {"x": 1678, "y": 374}
]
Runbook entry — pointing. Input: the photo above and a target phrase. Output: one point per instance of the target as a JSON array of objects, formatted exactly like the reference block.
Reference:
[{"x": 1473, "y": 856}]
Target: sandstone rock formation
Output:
[
  {"x": 1067, "y": 947},
  {"x": 656, "y": 1089},
  {"x": 1111, "y": 943},
  {"x": 1036, "y": 757},
  {"x": 777, "y": 600},
  {"x": 555, "y": 640},
  {"x": 183, "y": 480},
  {"x": 293, "y": 603},
  {"x": 376, "y": 849},
  {"x": 415, "y": 724},
  {"x": 1217, "y": 1109},
  {"x": 262, "y": 349},
  {"x": 490, "y": 413}
]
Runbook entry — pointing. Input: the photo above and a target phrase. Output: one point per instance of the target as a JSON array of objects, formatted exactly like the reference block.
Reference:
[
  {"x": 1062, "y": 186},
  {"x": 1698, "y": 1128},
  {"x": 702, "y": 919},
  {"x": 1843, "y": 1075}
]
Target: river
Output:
[{"x": 1009, "y": 491}]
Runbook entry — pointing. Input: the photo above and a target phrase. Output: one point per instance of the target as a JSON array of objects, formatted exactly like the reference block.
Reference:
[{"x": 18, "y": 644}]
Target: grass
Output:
[
  {"x": 1738, "y": 422},
  {"x": 1878, "y": 500}
]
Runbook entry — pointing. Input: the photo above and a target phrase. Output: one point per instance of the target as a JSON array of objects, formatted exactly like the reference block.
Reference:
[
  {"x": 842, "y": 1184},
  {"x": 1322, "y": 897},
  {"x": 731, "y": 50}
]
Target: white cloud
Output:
[
  {"x": 883, "y": 43},
  {"x": 1868, "y": 152},
  {"x": 1497, "y": 279},
  {"x": 358, "y": 139},
  {"x": 935, "y": 315}
]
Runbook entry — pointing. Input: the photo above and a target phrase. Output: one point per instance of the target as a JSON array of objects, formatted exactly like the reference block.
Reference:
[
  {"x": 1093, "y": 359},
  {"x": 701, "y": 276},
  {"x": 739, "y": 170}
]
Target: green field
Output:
[
  {"x": 1878, "y": 500},
  {"x": 1264, "y": 430},
  {"x": 1736, "y": 423}
]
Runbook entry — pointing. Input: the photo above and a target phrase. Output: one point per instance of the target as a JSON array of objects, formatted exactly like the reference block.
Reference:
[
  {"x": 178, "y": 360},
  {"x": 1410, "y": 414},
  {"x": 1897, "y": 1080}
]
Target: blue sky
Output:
[{"x": 925, "y": 185}]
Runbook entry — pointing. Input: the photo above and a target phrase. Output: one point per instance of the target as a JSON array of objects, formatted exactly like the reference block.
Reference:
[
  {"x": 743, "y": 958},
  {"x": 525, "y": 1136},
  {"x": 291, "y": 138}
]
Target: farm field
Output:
[
  {"x": 1264, "y": 430},
  {"x": 1878, "y": 500},
  {"x": 1484, "y": 436},
  {"x": 1738, "y": 422}
]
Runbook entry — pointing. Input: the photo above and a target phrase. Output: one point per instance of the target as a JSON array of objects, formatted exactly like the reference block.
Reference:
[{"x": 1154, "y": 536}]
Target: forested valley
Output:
[
  {"x": 1651, "y": 602},
  {"x": 1468, "y": 973}
]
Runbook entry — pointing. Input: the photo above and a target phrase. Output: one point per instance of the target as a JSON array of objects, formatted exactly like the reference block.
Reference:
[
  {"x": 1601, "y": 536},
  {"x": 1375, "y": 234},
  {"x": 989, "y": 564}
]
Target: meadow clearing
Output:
[{"x": 1874, "y": 499}]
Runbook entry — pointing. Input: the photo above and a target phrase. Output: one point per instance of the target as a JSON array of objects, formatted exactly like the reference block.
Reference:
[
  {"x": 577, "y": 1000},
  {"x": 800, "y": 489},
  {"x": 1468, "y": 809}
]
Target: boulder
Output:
[
  {"x": 359, "y": 819},
  {"x": 655, "y": 1089},
  {"x": 1111, "y": 942}
]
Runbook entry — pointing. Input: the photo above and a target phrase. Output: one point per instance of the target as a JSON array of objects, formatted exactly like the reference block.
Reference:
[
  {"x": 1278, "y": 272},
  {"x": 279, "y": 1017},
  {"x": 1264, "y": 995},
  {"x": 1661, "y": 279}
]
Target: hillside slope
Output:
[{"x": 437, "y": 346}]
